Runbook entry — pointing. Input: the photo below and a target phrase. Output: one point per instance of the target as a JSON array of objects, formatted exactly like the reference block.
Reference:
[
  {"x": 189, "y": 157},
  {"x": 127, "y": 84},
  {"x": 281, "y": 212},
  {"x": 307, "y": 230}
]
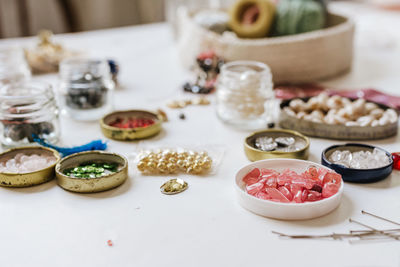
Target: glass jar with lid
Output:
[
  {"x": 245, "y": 94},
  {"x": 13, "y": 66},
  {"x": 86, "y": 88},
  {"x": 28, "y": 109}
]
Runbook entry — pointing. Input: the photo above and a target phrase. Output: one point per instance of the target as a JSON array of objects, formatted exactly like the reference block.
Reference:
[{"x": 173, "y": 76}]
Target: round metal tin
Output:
[
  {"x": 357, "y": 175},
  {"x": 130, "y": 133},
  {"x": 31, "y": 178},
  {"x": 91, "y": 185},
  {"x": 255, "y": 154},
  {"x": 336, "y": 131}
]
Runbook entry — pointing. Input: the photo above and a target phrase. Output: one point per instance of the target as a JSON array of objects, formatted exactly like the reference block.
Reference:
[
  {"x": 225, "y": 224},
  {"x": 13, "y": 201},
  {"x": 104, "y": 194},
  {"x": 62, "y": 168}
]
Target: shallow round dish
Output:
[
  {"x": 91, "y": 185},
  {"x": 130, "y": 133},
  {"x": 255, "y": 154},
  {"x": 30, "y": 178},
  {"x": 335, "y": 131},
  {"x": 284, "y": 211},
  {"x": 357, "y": 175}
]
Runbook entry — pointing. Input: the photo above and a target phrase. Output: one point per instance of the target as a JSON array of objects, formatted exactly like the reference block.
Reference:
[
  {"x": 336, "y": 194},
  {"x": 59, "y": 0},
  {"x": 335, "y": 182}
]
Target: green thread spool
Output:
[{"x": 299, "y": 16}]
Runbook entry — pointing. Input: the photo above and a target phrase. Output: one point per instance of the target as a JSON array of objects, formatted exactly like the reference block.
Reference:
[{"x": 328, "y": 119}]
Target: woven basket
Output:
[{"x": 297, "y": 58}]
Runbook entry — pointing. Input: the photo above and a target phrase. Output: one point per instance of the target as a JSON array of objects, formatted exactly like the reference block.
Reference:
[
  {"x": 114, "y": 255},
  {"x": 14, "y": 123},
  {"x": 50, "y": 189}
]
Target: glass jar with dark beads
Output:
[
  {"x": 28, "y": 110},
  {"x": 86, "y": 87}
]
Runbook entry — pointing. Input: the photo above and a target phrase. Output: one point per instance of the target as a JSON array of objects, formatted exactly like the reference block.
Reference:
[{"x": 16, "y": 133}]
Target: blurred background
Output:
[{"x": 26, "y": 17}]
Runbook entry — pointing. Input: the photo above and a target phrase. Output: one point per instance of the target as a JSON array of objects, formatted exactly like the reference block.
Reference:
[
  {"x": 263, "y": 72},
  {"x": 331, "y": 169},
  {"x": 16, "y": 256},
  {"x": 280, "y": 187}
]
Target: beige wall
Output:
[{"x": 90, "y": 14}]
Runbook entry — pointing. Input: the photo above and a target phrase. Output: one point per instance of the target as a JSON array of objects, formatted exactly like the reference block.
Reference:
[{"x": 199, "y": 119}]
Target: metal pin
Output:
[
  {"x": 386, "y": 230},
  {"x": 379, "y": 217},
  {"x": 369, "y": 227}
]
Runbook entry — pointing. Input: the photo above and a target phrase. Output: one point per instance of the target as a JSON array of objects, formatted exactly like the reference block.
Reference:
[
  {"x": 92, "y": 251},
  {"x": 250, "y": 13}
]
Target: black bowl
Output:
[{"x": 357, "y": 175}]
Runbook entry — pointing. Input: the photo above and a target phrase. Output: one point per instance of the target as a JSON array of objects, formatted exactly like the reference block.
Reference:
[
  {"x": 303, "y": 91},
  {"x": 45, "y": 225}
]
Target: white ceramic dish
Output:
[{"x": 284, "y": 211}]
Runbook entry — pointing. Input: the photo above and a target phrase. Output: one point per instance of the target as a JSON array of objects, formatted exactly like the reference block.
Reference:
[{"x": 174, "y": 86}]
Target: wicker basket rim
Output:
[{"x": 347, "y": 25}]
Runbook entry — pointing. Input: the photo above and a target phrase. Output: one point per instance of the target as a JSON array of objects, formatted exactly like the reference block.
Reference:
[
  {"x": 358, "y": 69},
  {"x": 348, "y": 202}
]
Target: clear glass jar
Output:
[
  {"x": 86, "y": 88},
  {"x": 245, "y": 94},
  {"x": 28, "y": 109},
  {"x": 13, "y": 66}
]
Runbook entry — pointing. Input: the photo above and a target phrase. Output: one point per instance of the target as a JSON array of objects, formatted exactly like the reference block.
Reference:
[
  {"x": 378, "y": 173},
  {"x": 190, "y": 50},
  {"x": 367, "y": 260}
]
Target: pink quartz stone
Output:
[
  {"x": 304, "y": 195},
  {"x": 283, "y": 179},
  {"x": 294, "y": 189},
  {"x": 276, "y": 194},
  {"x": 263, "y": 195},
  {"x": 268, "y": 172},
  {"x": 312, "y": 173},
  {"x": 298, "y": 197},
  {"x": 313, "y": 196},
  {"x": 271, "y": 182},
  {"x": 306, "y": 183},
  {"x": 252, "y": 177},
  {"x": 254, "y": 188},
  {"x": 321, "y": 173},
  {"x": 286, "y": 192},
  {"x": 332, "y": 177},
  {"x": 329, "y": 190}
]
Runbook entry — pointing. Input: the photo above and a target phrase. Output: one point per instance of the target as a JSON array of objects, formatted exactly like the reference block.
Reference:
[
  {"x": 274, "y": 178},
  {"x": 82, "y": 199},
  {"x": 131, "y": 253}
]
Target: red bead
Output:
[{"x": 396, "y": 160}]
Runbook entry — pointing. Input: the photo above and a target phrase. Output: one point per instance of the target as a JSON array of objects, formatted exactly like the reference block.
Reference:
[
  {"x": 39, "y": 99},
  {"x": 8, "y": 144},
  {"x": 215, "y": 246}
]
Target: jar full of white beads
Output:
[{"x": 245, "y": 94}]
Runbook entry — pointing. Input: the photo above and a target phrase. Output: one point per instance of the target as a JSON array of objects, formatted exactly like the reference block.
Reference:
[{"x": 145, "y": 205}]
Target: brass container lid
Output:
[
  {"x": 8, "y": 179},
  {"x": 126, "y": 134},
  {"x": 92, "y": 185},
  {"x": 255, "y": 154}
]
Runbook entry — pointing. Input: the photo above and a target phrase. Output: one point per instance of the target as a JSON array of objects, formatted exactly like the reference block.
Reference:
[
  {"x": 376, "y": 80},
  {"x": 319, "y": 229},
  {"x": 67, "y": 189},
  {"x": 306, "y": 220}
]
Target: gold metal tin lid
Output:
[
  {"x": 130, "y": 133},
  {"x": 91, "y": 185},
  {"x": 8, "y": 179},
  {"x": 255, "y": 154}
]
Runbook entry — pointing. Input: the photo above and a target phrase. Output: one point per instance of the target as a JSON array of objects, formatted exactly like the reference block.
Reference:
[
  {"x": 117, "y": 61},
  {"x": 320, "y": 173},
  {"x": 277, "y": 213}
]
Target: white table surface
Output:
[{"x": 204, "y": 226}]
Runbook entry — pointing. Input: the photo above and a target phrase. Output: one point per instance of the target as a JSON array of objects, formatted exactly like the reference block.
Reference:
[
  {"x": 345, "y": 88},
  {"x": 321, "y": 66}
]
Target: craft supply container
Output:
[
  {"x": 299, "y": 58},
  {"x": 357, "y": 175},
  {"x": 28, "y": 109},
  {"x": 278, "y": 210},
  {"x": 244, "y": 94},
  {"x": 91, "y": 185},
  {"x": 13, "y": 66},
  {"x": 31, "y": 178},
  {"x": 255, "y": 154},
  {"x": 86, "y": 88},
  {"x": 130, "y": 133},
  {"x": 335, "y": 131}
]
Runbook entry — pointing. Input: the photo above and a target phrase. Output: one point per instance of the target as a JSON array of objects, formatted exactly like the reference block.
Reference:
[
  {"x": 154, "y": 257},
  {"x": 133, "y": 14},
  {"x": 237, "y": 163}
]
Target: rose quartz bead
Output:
[
  {"x": 329, "y": 189},
  {"x": 254, "y": 188},
  {"x": 313, "y": 196},
  {"x": 262, "y": 195},
  {"x": 286, "y": 192},
  {"x": 332, "y": 177},
  {"x": 252, "y": 177},
  {"x": 276, "y": 195}
]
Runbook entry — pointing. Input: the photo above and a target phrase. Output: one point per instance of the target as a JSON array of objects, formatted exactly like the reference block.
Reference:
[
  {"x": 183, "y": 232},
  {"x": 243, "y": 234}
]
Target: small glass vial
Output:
[
  {"x": 86, "y": 88},
  {"x": 13, "y": 66},
  {"x": 245, "y": 94},
  {"x": 28, "y": 109}
]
